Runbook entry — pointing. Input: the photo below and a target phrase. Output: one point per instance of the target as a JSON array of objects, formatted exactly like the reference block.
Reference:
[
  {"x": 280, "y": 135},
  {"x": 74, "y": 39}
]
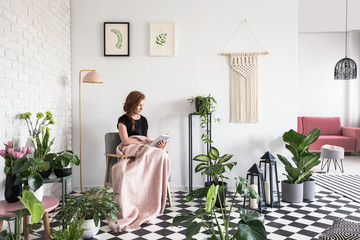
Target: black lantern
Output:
[
  {"x": 254, "y": 177},
  {"x": 269, "y": 168},
  {"x": 346, "y": 68}
]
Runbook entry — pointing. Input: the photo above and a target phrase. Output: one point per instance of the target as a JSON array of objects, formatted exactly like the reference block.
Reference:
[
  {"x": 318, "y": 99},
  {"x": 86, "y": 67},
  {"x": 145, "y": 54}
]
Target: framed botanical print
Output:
[
  {"x": 116, "y": 39},
  {"x": 162, "y": 39}
]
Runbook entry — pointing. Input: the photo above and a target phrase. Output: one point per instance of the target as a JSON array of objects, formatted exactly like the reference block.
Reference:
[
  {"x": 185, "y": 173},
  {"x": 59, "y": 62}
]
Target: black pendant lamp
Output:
[{"x": 346, "y": 68}]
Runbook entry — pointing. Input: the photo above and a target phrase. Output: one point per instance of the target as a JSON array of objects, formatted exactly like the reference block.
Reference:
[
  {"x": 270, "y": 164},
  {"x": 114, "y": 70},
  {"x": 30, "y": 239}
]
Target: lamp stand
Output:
[{"x": 80, "y": 124}]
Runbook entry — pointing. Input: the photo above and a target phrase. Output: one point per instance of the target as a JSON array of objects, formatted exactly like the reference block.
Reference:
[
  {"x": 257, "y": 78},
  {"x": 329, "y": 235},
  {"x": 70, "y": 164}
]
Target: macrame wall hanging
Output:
[{"x": 244, "y": 82}]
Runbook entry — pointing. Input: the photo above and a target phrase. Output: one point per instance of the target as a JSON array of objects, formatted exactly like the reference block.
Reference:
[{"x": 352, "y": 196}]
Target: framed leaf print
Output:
[
  {"x": 116, "y": 39},
  {"x": 162, "y": 39}
]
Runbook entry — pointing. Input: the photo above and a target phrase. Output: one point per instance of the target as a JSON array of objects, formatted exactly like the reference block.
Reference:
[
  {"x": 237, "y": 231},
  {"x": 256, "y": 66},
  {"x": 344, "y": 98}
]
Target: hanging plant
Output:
[{"x": 204, "y": 106}]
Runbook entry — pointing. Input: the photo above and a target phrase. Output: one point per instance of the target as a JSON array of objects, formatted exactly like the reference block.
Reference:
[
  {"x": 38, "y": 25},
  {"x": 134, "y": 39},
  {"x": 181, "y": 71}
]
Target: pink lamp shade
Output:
[{"x": 92, "y": 77}]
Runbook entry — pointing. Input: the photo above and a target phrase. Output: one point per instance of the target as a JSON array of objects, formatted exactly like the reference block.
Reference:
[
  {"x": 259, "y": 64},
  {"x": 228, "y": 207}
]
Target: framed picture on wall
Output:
[
  {"x": 162, "y": 39},
  {"x": 117, "y": 39}
]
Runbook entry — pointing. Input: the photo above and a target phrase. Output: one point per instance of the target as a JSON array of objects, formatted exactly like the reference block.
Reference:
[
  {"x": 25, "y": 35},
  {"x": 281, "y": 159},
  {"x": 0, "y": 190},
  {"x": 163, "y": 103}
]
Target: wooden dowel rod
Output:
[{"x": 261, "y": 53}]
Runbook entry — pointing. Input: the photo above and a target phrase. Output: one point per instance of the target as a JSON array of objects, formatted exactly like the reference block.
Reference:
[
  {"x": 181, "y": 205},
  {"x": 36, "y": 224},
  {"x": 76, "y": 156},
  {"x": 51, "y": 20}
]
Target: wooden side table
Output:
[{"x": 49, "y": 203}]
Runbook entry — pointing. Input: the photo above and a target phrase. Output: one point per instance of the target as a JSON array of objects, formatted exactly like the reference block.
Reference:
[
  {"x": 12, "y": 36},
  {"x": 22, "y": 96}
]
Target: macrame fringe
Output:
[{"x": 244, "y": 88}]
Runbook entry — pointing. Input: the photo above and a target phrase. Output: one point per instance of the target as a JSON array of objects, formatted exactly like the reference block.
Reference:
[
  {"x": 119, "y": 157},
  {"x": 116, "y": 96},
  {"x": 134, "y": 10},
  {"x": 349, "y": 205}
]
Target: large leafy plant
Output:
[
  {"x": 250, "y": 225},
  {"x": 206, "y": 107},
  {"x": 95, "y": 203},
  {"x": 214, "y": 165},
  {"x": 303, "y": 161}
]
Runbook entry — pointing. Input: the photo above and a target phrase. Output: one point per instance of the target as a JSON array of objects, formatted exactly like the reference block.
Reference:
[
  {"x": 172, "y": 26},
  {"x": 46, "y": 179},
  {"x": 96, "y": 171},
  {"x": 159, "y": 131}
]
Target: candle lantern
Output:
[
  {"x": 254, "y": 178},
  {"x": 268, "y": 165}
]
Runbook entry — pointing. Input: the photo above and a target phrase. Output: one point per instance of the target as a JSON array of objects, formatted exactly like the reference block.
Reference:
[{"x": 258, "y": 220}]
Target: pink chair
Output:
[{"x": 332, "y": 133}]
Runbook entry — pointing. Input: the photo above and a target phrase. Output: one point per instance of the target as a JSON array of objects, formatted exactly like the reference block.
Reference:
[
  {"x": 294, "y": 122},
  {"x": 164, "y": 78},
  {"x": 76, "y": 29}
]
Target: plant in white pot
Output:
[
  {"x": 298, "y": 144},
  {"x": 27, "y": 170},
  {"x": 94, "y": 204}
]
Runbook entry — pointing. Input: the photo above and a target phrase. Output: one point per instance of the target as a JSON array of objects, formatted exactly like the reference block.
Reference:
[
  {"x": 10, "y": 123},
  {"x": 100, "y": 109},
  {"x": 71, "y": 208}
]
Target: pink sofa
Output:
[{"x": 331, "y": 133}]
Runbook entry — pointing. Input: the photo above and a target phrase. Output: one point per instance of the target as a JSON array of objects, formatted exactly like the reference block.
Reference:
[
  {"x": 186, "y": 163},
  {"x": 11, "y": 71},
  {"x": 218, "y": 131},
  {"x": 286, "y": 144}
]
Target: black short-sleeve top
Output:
[{"x": 141, "y": 125}]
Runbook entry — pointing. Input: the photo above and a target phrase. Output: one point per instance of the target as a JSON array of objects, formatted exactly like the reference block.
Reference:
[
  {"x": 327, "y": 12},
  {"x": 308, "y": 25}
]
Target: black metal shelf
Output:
[{"x": 208, "y": 146}]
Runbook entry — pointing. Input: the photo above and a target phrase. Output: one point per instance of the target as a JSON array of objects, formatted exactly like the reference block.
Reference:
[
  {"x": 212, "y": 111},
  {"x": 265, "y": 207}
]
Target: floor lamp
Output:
[{"x": 91, "y": 77}]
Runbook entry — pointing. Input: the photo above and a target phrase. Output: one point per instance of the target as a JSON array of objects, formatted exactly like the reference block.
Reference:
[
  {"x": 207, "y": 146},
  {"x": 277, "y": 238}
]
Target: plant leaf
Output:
[
  {"x": 34, "y": 206},
  {"x": 213, "y": 153},
  {"x": 202, "y": 158}
]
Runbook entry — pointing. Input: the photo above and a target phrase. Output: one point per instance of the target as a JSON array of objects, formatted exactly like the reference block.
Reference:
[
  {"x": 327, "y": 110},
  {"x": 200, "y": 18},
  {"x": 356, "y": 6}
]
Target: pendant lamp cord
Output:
[{"x": 346, "y": 29}]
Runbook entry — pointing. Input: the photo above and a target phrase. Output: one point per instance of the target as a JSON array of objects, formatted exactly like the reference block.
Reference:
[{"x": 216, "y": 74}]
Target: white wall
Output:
[
  {"x": 34, "y": 71},
  {"x": 321, "y": 46},
  {"x": 202, "y": 29},
  {"x": 328, "y": 15}
]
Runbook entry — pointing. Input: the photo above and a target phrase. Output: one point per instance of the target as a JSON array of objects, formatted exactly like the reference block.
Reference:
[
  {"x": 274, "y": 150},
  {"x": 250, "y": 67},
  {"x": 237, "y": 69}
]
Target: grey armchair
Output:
[{"x": 112, "y": 140}]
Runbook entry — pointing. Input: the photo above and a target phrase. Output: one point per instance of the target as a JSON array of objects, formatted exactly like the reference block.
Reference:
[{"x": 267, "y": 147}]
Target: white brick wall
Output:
[{"x": 35, "y": 71}]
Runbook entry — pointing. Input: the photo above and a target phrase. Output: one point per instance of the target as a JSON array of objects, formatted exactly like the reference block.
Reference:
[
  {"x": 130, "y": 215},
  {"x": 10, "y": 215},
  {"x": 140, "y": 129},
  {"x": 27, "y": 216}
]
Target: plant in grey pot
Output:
[
  {"x": 204, "y": 106},
  {"x": 298, "y": 144},
  {"x": 215, "y": 166}
]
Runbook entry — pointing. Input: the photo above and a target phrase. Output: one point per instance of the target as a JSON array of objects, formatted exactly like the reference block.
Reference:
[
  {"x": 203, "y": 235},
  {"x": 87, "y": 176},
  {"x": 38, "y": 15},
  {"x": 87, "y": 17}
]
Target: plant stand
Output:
[{"x": 208, "y": 146}]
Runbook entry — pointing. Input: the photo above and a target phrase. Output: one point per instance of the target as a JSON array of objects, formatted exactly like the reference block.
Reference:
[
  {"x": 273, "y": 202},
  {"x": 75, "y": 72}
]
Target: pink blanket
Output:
[{"x": 141, "y": 181}]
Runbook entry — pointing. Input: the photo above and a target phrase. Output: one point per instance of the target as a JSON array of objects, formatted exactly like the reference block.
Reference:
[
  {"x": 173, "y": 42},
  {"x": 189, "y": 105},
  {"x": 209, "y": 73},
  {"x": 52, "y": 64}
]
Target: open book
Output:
[{"x": 163, "y": 137}]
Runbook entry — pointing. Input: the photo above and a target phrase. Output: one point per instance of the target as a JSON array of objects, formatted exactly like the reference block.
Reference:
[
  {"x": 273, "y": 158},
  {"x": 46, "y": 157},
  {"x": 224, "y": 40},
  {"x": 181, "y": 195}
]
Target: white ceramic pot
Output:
[
  {"x": 91, "y": 229},
  {"x": 39, "y": 194}
]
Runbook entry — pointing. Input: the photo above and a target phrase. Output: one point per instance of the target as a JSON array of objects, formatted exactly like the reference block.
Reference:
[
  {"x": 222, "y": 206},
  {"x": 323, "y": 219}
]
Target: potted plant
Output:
[
  {"x": 214, "y": 165},
  {"x": 298, "y": 144},
  {"x": 204, "y": 106},
  {"x": 28, "y": 172},
  {"x": 11, "y": 154},
  {"x": 250, "y": 225},
  {"x": 94, "y": 204},
  {"x": 39, "y": 135},
  {"x": 62, "y": 162}
]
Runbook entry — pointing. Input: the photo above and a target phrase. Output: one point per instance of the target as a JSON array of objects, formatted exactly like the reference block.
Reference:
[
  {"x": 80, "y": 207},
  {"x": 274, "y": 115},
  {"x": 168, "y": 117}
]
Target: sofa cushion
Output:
[
  {"x": 348, "y": 143},
  {"x": 328, "y": 125}
]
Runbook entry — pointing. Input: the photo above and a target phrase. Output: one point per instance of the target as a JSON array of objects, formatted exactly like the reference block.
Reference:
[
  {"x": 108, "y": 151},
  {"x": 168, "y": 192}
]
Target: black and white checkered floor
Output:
[{"x": 290, "y": 221}]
